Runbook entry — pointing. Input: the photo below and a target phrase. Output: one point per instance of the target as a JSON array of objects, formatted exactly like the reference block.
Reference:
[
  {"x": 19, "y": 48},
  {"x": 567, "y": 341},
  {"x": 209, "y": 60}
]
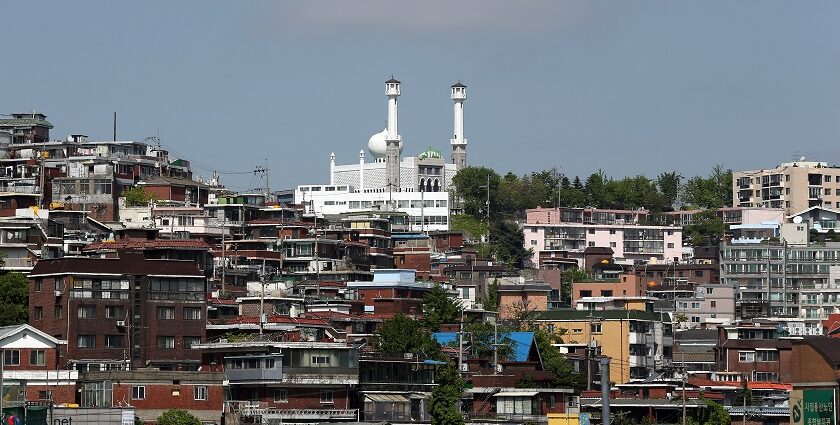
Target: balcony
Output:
[
  {"x": 258, "y": 414},
  {"x": 250, "y": 369}
]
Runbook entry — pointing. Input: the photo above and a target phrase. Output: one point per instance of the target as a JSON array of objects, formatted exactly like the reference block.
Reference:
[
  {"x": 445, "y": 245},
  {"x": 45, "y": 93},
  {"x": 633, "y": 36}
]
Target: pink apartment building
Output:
[{"x": 572, "y": 230}]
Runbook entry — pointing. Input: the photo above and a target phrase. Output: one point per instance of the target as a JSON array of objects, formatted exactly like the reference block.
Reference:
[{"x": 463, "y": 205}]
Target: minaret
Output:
[
  {"x": 458, "y": 142},
  {"x": 361, "y": 171},
  {"x": 332, "y": 169},
  {"x": 392, "y": 139}
]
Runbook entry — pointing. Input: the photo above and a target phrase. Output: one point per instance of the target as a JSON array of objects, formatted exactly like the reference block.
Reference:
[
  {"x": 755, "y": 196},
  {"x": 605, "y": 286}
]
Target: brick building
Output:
[
  {"x": 30, "y": 359},
  {"x": 123, "y": 312},
  {"x": 755, "y": 351}
]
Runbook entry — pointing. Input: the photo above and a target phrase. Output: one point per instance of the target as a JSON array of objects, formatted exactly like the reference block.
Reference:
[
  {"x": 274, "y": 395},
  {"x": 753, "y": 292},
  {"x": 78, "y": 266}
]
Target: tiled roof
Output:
[
  {"x": 696, "y": 334},
  {"x": 24, "y": 122},
  {"x": 126, "y": 263},
  {"x": 148, "y": 244}
]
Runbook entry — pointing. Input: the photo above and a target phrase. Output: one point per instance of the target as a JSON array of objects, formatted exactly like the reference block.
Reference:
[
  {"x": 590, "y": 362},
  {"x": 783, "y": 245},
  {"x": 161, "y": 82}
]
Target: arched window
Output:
[
  {"x": 422, "y": 182},
  {"x": 437, "y": 185},
  {"x": 429, "y": 185}
]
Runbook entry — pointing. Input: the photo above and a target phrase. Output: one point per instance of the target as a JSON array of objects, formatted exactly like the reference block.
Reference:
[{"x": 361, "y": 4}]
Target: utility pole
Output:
[
  {"x": 262, "y": 297},
  {"x": 495, "y": 347},
  {"x": 683, "y": 386},
  {"x": 605, "y": 391},
  {"x": 317, "y": 253},
  {"x": 461, "y": 342},
  {"x": 263, "y": 169},
  {"x": 487, "y": 208}
]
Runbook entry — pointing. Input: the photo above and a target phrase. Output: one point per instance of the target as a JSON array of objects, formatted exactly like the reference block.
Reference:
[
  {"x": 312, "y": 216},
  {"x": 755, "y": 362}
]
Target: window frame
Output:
[{"x": 138, "y": 392}]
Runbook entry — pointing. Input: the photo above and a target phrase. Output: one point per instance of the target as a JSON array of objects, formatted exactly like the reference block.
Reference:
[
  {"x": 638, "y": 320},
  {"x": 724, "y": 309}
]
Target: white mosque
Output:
[{"x": 417, "y": 185}]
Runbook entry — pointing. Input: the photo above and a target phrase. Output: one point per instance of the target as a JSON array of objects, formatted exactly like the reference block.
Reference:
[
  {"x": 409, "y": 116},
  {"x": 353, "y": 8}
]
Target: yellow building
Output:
[{"x": 637, "y": 342}]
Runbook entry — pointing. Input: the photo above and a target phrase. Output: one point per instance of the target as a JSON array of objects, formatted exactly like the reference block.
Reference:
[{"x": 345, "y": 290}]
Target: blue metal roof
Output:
[
  {"x": 520, "y": 342},
  {"x": 409, "y": 236}
]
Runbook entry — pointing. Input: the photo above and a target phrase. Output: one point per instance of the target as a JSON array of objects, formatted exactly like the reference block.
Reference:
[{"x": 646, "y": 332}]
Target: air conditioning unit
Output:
[
  {"x": 57, "y": 293},
  {"x": 120, "y": 322}
]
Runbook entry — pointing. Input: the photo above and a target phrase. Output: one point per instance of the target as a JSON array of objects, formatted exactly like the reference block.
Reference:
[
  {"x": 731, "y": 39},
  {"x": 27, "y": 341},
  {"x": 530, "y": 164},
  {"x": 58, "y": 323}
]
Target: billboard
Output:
[{"x": 812, "y": 407}]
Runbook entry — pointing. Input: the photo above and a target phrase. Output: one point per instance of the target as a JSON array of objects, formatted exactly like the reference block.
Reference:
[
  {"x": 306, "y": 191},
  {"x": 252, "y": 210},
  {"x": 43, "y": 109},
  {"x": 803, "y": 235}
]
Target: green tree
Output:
[
  {"x": 177, "y": 417},
  {"x": 708, "y": 229},
  {"x": 491, "y": 301},
  {"x": 712, "y": 414},
  {"x": 14, "y": 299},
  {"x": 440, "y": 308},
  {"x": 599, "y": 193},
  {"x": 669, "y": 184},
  {"x": 446, "y": 396},
  {"x": 403, "y": 334},
  {"x": 484, "y": 339},
  {"x": 555, "y": 362},
  {"x": 712, "y": 192},
  {"x": 137, "y": 197},
  {"x": 569, "y": 277},
  {"x": 508, "y": 240},
  {"x": 470, "y": 184}
]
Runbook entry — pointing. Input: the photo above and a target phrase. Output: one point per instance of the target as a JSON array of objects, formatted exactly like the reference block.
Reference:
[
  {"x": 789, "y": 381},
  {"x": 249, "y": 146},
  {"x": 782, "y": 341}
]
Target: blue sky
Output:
[{"x": 629, "y": 87}]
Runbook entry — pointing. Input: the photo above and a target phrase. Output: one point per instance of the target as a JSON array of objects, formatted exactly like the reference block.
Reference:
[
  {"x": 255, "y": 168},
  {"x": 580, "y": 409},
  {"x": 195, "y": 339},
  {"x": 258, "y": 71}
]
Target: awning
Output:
[
  {"x": 392, "y": 398},
  {"x": 516, "y": 394}
]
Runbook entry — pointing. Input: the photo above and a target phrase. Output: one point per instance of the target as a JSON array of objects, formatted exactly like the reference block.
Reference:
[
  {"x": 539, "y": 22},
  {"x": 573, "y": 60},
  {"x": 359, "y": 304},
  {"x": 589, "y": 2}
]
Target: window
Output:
[
  {"x": 166, "y": 342},
  {"x": 114, "y": 312},
  {"x": 695, "y": 319},
  {"x": 746, "y": 356},
  {"x": 533, "y": 242},
  {"x": 670, "y": 244},
  {"x": 114, "y": 341},
  {"x": 591, "y": 231},
  {"x": 192, "y": 313},
  {"x": 190, "y": 340},
  {"x": 165, "y": 313},
  {"x": 38, "y": 312},
  {"x": 695, "y": 305},
  {"x": 713, "y": 304},
  {"x": 591, "y": 243},
  {"x": 612, "y": 245},
  {"x": 326, "y": 397},
  {"x": 320, "y": 360},
  {"x": 57, "y": 312},
  {"x": 86, "y": 341},
  {"x": 767, "y": 356},
  {"x": 827, "y": 179},
  {"x": 595, "y": 328},
  {"x": 138, "y": 392},
  {"x": 11, "y": 358},
  {"x": 200, "y": 392},
  {"x": 87, "y": 312},
  {"x": 767, "y": 376},
  {"x": 281, "y": 396},
  {"x": 699, "y": 273},
  {"x": 39, "y": 283},
  {"x": 37, "y": 358},
  {"x": 612, "y": 231}
]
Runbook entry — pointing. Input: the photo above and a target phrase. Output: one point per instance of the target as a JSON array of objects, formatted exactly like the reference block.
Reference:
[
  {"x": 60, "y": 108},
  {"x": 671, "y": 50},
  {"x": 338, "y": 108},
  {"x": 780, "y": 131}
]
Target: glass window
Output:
[
  {"x": 11, "y": 357},
  {"x": 595, "y": 328},
  {"x": 86, "y": 341},
  {"x": 37, "y": 358},
  {"x": 192, "y": 313},
  {"x": 114, "y": 312},
  {"x": 190, "y": 340},
  {"x": 57, "y": 312},
  {"x": 281, "y": 396},
  {"x": 114, "y": 341},
  {"x": 165, "y": 313},
  {"x": 87, "y": 312},
  {"x": 138, "y": 392},
  {"x": 746, "y": 356},
  {"x": 38, "y": 313},
  {"x": 166, "y": 342},
  {"x": 200, "y": 392},
  {"x": 326, "y": 396}
]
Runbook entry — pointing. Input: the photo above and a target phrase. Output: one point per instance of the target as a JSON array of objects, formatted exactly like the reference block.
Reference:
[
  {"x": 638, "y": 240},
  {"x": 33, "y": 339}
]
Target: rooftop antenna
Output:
[{"x": 115, "y": 126}]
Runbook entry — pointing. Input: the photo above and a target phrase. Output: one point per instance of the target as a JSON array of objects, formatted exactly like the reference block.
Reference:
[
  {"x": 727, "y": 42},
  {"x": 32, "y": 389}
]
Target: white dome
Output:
[{"x": 376, "y": 144}]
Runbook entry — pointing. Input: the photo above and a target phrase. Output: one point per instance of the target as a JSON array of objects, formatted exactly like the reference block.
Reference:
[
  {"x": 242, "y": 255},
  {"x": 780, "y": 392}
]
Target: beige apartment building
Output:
[{"x": 794, "y": 186}]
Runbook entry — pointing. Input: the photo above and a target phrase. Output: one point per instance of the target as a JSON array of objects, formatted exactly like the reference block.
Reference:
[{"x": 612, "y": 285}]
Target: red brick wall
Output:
[
  {"x": 160, "y": 396},
  {"x": 60, "y": 393},
  {"x": 49, "y": 354},
  {"x": 811, "y": 366},
  {"x": 782, "y": 367}
]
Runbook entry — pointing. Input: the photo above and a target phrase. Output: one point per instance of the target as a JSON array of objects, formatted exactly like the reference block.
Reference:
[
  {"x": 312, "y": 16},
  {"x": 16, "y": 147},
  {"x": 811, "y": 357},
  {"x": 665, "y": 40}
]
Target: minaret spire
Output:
[
  {"x": 458, "y": 142},
  {"x": 392, "y": 138}
]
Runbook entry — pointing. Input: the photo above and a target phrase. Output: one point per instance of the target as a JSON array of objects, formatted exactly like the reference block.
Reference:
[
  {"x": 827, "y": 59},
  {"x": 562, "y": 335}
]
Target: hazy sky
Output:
[{"x": 629, "y": 87}]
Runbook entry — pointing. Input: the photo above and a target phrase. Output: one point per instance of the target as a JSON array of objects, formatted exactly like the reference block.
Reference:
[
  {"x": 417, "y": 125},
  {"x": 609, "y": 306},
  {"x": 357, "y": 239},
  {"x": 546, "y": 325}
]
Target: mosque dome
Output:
[
  {"x": 376, "y": 144},
  {"x": 430, "y": 154}
]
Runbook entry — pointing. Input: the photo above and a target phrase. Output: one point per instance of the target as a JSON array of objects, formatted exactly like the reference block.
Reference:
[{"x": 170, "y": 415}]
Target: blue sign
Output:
[{"x": 584, "y": 419}]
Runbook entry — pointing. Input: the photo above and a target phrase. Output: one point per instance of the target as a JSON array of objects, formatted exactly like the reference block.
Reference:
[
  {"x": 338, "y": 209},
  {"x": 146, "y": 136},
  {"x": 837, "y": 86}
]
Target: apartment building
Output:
[
  {"x": 121, "y": 313},
  {"x": 270, "y": 379},
  {"x": 755, "y": 351},
  {"x": 638, "y": 342},
  {"x": 571, "y": 230},
  {"x": 794, "y": 186},
  {"x": 783, "y": 280},
  {"x": 710, "y": 305}
]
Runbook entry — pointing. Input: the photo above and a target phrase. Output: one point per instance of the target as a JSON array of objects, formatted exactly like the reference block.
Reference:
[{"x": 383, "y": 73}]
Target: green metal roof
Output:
[
  {"x": 24, "y": 122},
  {"x": 571, "y": 314}
]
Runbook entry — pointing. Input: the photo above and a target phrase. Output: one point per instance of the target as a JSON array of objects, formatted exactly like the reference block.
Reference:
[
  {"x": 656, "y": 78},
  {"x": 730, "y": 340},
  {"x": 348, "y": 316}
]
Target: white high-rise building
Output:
[{"x": 417, "y": 185}]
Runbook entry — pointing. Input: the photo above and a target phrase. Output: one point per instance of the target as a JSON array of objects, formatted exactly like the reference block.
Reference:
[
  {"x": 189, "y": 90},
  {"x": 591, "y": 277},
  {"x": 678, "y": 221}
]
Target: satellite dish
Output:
[{"x": 797, "y": 219}]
